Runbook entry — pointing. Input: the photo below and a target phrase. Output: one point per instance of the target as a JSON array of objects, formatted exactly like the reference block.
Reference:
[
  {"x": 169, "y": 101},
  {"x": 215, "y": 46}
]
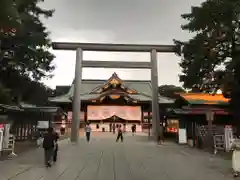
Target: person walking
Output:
[
  {"x": 55, "y": 150},
  {"x": 124, "y": 127},
  {"x": 48, "y": 146},
  {"x": 63, "y": 129},
  {"x": 110, "y": 127},
  {"x": 88, "y": 130},
  {"x": 133, "y": 129},
  {"x": 114, "y": 128},
  {"x": 119, "y": 133}
]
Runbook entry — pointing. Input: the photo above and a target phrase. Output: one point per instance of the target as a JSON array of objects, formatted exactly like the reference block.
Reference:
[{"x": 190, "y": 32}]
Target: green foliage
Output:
[
  {"x": 170, "y": 90},
  {"x": 32, "y": 60},
  {"x": 5, "y": 96},
  {"x": 210, "y": 52},
  {"x": 31, "y": 42},
  {"x": 22, "y": 88},
  {"x": 8, "y": 14},
  {"x": 211, "y": 59}
]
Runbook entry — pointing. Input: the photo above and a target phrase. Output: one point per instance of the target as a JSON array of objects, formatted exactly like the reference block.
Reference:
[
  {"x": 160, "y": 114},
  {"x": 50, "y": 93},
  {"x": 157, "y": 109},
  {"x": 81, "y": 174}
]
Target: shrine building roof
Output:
[
  {"x": 204, "y": 98},
  {"x": 91, "y": 89}
]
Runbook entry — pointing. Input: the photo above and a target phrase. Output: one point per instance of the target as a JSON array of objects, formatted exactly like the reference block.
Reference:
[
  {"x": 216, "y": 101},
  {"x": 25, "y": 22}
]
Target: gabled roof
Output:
[
  {"x": 204, "y": 98},
  {"x": 115, "y": 81},
  {"x": 88, "y": 87},
  {"x": 60, "y": 90}
]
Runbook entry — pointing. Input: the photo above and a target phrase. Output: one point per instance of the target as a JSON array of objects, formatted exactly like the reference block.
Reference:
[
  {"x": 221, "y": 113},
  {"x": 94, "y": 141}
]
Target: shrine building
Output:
[{"x": 104, "y": 102}]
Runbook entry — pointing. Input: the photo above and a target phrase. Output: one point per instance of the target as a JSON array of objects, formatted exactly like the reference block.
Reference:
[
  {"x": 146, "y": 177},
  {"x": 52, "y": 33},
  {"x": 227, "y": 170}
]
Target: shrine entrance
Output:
[
  {"x": 108, "y": 116},
  {"x": 80, "y": 63}
]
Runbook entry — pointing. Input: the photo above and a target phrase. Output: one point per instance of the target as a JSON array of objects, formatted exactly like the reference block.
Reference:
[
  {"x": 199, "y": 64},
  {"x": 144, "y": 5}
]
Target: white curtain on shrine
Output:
[
  {"x": 81, "y": 115},
  {"x": 104, "y": 112}
]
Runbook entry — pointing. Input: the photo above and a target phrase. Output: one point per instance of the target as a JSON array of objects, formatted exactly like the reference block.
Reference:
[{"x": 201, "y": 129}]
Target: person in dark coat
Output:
[
  {"x": 48, "y": 146},
  {"x": 114, "y": 128},
  {"x": 110, "y": 127},
  {"x": 119, "y": 134},
  {"x": 133, "y": 129},
  {"x": 55, "y": 151}
]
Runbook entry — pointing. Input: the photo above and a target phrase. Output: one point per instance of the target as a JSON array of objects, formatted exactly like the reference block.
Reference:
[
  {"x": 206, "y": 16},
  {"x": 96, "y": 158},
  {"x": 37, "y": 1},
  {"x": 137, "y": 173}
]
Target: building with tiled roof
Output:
[{"x": 105, "y": 101}]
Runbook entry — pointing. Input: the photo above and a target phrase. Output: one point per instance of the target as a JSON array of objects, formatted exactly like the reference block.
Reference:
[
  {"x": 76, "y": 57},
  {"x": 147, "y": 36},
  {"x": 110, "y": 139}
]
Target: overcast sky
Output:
[{"x": 117, "y": 21}]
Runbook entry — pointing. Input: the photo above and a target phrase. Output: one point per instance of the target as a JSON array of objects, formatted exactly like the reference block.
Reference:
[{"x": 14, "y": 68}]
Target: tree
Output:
[
  {"x": 31, "y": 42},
  {"x": 5, "y": 96},
  {"x": 210, "y": 60},
  {"x": 22, "y": 88},
  {"x": 170, "y": 91},
  {"x": 32, "y": 60},
  {"x": 9, "y": 15},
  {"x": 37, "y": 94}
]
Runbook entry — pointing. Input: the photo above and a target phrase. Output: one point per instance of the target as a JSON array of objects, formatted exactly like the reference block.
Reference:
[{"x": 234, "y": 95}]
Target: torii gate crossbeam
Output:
[{"x": 80, "y": 47}]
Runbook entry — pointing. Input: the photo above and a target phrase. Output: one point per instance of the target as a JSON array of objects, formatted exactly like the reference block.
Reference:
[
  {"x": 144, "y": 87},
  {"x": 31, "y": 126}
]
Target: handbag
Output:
[
  {"x": 55, "y": 146},
  {"x": 39, "y": 142}
]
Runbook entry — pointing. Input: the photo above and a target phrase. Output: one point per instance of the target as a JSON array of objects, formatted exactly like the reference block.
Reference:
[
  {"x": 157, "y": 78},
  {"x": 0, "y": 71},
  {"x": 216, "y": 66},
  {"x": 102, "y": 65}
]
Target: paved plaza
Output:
[{"x": 104, "y": 159}]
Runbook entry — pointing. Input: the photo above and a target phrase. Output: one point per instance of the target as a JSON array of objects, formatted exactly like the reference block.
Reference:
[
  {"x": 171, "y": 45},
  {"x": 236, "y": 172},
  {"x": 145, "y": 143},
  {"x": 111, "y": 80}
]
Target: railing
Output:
[{"x": 222, "y": 137}]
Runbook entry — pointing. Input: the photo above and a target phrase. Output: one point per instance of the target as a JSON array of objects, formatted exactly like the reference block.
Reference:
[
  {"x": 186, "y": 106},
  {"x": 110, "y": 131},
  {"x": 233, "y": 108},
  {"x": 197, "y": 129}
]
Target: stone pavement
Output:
[{"x": 104, "y": 159}]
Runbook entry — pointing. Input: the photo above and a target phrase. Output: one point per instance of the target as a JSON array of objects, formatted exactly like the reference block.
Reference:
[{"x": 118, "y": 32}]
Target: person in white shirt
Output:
[{"x": 88, "y": 130}]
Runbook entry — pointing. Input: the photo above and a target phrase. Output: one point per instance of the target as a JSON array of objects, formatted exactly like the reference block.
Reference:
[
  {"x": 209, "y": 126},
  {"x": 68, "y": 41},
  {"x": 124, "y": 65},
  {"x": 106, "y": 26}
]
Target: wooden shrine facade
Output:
[{"x": 112, "y": 100}]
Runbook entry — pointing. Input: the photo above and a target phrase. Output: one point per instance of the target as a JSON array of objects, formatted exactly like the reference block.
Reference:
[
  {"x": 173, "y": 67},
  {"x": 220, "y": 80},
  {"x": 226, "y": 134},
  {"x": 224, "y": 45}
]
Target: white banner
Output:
[
  {"x": 182, "y": 136},
  {"x": 43, "y": 124},
  {"x": 1, "y": 140},
  {"x": 123, "y": 112},
  {"x": 82, "y": 114}
]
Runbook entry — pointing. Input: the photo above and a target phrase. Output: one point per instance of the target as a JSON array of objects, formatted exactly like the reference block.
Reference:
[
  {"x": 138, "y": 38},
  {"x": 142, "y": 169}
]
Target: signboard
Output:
[
  {"x": 228, "y": 134},
  {"x": 182, "y": 136},
  {"x": 81, "y": 114},
  {"x": 6, "y": 135},
  {"x": 43, "y": 124},
  {"x": 1, "y": 140}
]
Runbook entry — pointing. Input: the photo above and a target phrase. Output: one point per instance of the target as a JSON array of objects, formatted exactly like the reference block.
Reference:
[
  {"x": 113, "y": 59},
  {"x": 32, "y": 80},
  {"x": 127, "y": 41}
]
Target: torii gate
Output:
[{"x": 80, "y": 63}]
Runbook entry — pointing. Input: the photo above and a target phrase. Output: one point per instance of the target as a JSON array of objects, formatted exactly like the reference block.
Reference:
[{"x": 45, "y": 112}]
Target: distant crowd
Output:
[{"x": 112, "y": 128}]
